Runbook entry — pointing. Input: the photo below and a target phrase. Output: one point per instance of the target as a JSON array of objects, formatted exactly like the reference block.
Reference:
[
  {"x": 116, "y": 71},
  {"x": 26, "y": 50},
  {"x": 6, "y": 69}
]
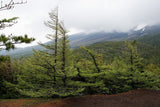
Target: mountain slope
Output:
[
  {"x": 88, "y": 39},
  {"x": 148, "y": 48},
  {"x": 78, "y": 40}
]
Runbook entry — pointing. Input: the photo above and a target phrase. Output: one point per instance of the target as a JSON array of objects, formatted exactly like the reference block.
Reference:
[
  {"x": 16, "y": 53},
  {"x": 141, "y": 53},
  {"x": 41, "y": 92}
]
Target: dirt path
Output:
[
  {"x": 138, "y": 98},
  {"x": 13, "y": 103}
]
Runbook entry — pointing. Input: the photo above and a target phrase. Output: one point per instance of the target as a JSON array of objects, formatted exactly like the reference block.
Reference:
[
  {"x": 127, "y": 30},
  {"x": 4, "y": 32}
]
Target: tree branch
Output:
[{"x": 10, "y": 5}]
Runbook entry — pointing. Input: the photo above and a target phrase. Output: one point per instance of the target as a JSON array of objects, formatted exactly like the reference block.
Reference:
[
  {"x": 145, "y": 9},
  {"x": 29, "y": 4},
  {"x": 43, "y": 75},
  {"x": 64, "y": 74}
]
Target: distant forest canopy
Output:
[{"x": 148, "y": 47}]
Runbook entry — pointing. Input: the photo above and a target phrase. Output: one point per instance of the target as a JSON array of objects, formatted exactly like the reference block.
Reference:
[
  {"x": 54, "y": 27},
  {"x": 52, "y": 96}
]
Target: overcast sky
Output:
[{"x": 82, "y": 16}]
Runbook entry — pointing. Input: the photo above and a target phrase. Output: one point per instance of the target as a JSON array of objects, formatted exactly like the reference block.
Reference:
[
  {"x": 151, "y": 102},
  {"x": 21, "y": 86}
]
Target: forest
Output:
[{"x": 63, "y": 72}]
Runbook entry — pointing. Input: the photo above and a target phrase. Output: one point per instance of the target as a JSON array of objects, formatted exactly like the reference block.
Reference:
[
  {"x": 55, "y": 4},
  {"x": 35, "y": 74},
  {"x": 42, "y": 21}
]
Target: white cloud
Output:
[{"x": 83, "y": 15}]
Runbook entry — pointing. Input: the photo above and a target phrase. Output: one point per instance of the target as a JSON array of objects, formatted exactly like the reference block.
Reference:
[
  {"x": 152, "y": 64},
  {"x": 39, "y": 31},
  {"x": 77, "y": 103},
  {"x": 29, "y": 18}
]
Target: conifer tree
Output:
[
  {"x": 63, "y": 51},
  {"x": 93, "y": 56},
  {"x": 54, "y": 25},
  {"x": 90, "y": 76},
  {"x": 57, "y": 70},
  {"x": 138, "y": 75},
  {"x": 35, "y": 76},
  {"x": 132, "y": 57},
  {"x": 117, "y": 77}
]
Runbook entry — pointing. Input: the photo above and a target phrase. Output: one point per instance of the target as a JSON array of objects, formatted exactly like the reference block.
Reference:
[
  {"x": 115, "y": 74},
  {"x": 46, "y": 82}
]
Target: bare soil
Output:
[{"x": 136, "y": 98}]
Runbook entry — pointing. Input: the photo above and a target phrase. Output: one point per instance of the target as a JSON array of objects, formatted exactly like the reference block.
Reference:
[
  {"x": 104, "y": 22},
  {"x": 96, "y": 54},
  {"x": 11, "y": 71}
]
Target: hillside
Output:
[
  {"x": 153, "y": 40},
  {"x": 148, "y": 48}
]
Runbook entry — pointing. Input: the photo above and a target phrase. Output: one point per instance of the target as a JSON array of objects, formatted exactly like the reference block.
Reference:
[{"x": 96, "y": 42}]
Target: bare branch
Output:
[{"x": 10, "y": 5}]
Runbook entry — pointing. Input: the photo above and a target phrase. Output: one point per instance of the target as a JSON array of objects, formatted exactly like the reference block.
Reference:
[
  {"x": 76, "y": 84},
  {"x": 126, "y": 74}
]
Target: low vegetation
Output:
[{"x": 45, "y": 75}]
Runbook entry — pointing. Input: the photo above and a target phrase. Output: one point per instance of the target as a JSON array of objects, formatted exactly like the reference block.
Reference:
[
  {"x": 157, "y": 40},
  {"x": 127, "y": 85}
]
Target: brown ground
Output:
[{"x": 137, "y": 98}]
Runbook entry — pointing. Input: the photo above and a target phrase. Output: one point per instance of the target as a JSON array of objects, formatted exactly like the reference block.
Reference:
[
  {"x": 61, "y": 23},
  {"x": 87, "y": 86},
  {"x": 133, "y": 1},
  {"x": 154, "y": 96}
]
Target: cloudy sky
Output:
[{"x": 82, "y": 16}]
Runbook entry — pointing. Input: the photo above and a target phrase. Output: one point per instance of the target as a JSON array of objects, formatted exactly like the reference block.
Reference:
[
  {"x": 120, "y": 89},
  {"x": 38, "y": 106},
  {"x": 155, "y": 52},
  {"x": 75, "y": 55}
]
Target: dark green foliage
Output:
[
  {"x": 5, "y": 68},
  {"x": 7, "y": 79}
]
